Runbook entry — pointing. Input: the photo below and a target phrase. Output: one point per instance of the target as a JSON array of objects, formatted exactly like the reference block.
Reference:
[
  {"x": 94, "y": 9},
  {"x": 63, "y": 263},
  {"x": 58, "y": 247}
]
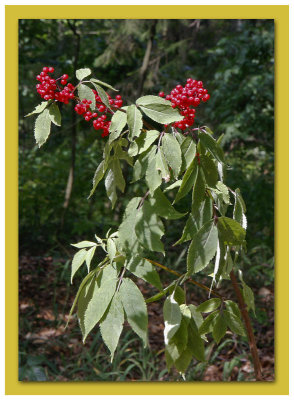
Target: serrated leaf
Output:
[
  {"x": 234, "y": 323},
  {"x": 158, "y": 109},
  {"x": 149, "y": 228},
  {"x": 202, "y": 248},
  {"x": 143, "y": 142},
  {"x": 224, "y": 191},
  {"x": 141, "y": 164},
  {"x": 153, "y": 178},
  {"x": 135, "y": 308},
  {"x": 163, "y": 207},
  {"x": 143, "y": 269},
  {"x": 180, "y": 298},
  {"x": 89, "y": 256},
  {"x": 188, "y": 149},
  {"x": 134, "y": 120},
  {"x": 128, "y": 242},
  {"x": 211, "y": 145},
  {"x": 112, "y": 324},
  {"x": 118, "y": 176},
  {"x": 210, "y": 170},
  {"x": 195, "y": 342},
  {"x": 189, "y": 179},
  {"x": 195, "y": 315},
  {"x": 172, "y": 318},
  {"x": 162, "y": 166},
  {"x": 118, "y": 122},
  {"x": 110, "y": 186},
  {"x": 83, "y": 73},
  {"x": 120, "y": 154},
  {"x": 248, "y": 297},
  {"x": 239, "y": 209},
  {"x": 103, "y": 84},
  {"x": 209, "y": 305},
  {"x": 208, "y": 324},
  {"x": 220, "y": 328},
  {"x": 92, "y": 304},
  {"x": 102, "y": 94},
  {"x": 99, "y": 173},
  {"x": 39, "y": 108},
  {"x": 78, "y": 261},
  {"x": 111, "y": 249},
  {"x": 42, "y": 127},
  {"x": 84, "y": 92},
  {"x": 233, "y": 308},
  {"x": 54, "y": 114},
  {"x": 198, "y": 194},
  {"x": 230, "y": 231},
  {"x": 183, "y": 362},
  {"x": 172, "y": 152},
  {"x": 84, "y": 243}
]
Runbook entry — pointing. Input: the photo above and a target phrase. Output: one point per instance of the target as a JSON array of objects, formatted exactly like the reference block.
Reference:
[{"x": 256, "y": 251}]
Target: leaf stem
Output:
[{"x": 189, "y": 279}]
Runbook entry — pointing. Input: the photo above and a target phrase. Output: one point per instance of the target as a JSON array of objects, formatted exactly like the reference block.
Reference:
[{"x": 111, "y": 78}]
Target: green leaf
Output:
[
  {"x": 223, "y": 190},
  {"x": 134, "y": 120},
  {"x": 234, "y": 323},
  {"x": 211, "y": 145},
  {"x": 208, "y": 324},
  {"x": 110, "y": 186},
  {"x": 188, "y": 181},
  {"x": 230, "y": 231},
  {"x": 183, "y": 362},
  {"x": 141, "y": 164},
  {"x": 128, "y": 242},
  {"x": 248, "y": 297},
  {"x": 239, "y": 209},
  {"x": 103, "y": 84},
  {"x": 84, "y": 243},
  {"x": 99, "y": 173},
  {"x": 233, "y": 308},
  {"x": 39, "y": 108},
  {"x": 112, "y": 324},
  {"x": 153, "y": 177},
  {"x": 84, "y": 92},
  {"x": 180, "y": 298},
  {"x": 118, "y": 122},
  {"x": 188, "y": 149},
  {"x": 42, "y": 127},
  {"x": 172, "y": 152},
  {"x": 172, "y": 318},
  {"x": 102, "y": 94},
  {"x": 143, "y": 269},
  {"x": 143, "y": 142},
  {"x": 210, "y": 170},
  {"x": 93, "y": 302},
  {"x": 83, "y": 73},
  {"x": 209, "y": 305},
  {"x": 149, "y": 228},
  {"x": 78, "y": 261},
  {"x": 163, "y": 207},
  {"x": 158, "y": 109},
  {"x": 135, "y": 308},
  {"x": 220, "y": 328},
  {"x": 195, "y": 342},
  {"x": 162, "y": 166},
  {"x": 54, "y": 114},
  {"x": 118, "y": 176},
  {"x": 198, "y": 194},
  {"x": 202, "y": 248},
  {"x": 89, "y": 256},
  {"x": 120, "y": 153},
  {"x": 111, "y": 249},
  {"x": 174, "y": 185}
]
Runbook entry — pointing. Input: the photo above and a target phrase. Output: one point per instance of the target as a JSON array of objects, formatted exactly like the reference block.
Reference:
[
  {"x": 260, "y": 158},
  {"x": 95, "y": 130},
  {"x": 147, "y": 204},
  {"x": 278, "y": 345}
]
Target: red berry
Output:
[
  {"x": 63, "y": 82},
  {"x": 51, "y": 69}
]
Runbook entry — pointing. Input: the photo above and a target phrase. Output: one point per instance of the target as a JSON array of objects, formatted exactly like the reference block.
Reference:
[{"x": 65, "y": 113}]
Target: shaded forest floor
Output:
[{"x": 48, "y": 352}]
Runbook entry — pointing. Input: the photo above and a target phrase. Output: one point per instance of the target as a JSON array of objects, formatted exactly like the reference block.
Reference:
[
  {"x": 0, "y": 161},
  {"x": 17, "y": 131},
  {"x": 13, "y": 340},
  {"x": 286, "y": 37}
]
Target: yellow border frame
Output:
[{"x": 281, "y": 16}]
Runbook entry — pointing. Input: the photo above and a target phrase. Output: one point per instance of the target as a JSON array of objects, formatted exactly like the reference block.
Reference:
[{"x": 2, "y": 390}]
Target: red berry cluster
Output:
[
  {"x": 186, "y": 97},
  {"x": 48, "y": 87}
]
